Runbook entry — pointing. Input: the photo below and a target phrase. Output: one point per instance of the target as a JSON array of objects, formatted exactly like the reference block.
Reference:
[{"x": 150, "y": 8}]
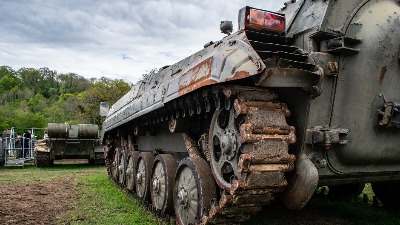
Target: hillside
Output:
[{"x": 34, "y": 97}]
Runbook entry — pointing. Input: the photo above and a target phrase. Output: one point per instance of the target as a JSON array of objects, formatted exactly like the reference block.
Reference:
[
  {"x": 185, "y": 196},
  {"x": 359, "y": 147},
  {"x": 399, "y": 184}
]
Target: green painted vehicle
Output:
[{"x": 64, "y": 141}]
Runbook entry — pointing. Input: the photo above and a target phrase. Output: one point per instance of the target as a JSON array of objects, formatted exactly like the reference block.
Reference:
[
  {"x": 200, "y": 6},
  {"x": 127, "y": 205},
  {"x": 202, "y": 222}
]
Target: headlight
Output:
[{"x": 256, "y": 19}]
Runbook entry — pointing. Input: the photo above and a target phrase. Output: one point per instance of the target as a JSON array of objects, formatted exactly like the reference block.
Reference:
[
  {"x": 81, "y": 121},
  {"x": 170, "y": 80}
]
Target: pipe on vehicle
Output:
[
  {"x": 87, "y": 130},
  {"x": 57, "y": 130},
  {"x": 60, "y": 130}
]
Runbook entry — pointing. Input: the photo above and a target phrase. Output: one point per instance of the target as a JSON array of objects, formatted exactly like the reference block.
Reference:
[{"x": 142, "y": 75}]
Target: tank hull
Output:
[{"x": 241, "y": 110}]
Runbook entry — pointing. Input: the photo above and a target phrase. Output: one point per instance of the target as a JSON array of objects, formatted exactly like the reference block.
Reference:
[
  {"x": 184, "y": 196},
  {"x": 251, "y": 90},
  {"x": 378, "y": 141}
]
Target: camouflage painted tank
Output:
[
  {"x": 292, "y": 100},
  {"x": 64, "y": 141}
]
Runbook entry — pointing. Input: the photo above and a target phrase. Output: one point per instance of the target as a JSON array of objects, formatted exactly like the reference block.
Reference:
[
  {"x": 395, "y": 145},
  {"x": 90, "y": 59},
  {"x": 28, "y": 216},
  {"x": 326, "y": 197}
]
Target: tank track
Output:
[
  {"x": 98, "y": 159},
  {"x": 42, "y": 159},
  {"x": 262, "y": 164},
  {"x": 264, "y": 159}
]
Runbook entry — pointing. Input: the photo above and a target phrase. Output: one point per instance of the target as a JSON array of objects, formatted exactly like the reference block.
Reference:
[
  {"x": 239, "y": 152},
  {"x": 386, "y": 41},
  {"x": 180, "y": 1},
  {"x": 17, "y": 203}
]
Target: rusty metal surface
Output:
[
  {"x": 261, "y": 166},
  {"x": 204, "y": 185},
  {"x": 191, "y": 146},
  {"x": 230, "y": 59}
]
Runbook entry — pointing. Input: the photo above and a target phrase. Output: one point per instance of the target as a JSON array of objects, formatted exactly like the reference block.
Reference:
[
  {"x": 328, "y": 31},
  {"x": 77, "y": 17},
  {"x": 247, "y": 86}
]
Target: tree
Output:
[
  {"x": 149, "y": 74},
  {"x": 7, "y": 82},
  {"x": 37, "y": 103},
  {"x": 104, "y": 90},
  {"x": 6, "y": 70},
  {"x": 73, "y": 83},
  {"x": 31, "y": 78}
]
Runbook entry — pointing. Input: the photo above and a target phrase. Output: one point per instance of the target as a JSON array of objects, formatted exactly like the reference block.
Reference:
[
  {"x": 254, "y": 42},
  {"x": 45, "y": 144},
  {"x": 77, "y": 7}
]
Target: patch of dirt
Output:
[{"x": 36, "y": 203}]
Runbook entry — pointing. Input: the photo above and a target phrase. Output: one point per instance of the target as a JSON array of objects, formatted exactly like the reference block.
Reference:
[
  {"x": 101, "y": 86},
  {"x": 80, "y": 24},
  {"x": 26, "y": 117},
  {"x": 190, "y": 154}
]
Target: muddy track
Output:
[{"x": 258, "y": 175}]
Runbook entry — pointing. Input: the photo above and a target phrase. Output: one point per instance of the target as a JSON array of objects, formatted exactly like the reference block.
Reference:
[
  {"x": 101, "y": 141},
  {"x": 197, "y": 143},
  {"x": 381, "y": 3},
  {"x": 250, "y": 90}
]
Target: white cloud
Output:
[{"x": 116, "y": 39}]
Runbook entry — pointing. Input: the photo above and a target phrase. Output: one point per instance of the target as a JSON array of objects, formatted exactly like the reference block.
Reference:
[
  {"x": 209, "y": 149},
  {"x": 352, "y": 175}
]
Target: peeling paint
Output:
[
  {"x": 383, "y": 74},
  {"x": 196, "y": 77}
]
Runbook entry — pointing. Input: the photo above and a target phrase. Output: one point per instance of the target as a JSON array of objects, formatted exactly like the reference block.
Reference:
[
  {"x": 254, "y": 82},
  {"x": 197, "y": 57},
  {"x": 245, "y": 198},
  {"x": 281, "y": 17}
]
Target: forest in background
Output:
[{"x": 31, "y": 98}]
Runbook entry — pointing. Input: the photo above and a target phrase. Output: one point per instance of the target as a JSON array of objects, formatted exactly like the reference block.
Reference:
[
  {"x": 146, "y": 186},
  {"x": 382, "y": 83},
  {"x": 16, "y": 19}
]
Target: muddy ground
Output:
[
  {"x": 36, "y": 203},
  {"x": 43, "y": 203}
]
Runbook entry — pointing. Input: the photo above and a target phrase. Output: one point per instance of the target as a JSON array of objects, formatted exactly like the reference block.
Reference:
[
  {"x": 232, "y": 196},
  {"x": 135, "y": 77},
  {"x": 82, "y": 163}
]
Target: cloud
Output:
[{"x": 117, "y": 39}]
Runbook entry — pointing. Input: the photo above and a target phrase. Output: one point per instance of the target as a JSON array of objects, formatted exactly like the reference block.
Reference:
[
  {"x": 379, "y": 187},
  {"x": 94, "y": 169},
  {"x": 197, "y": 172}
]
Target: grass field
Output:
[{"x": 98, "y": 201}]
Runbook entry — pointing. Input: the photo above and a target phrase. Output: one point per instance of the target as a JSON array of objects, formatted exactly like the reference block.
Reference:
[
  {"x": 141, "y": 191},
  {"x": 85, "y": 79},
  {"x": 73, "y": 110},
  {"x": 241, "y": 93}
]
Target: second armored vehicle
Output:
[{"x": 64, "y": 141}]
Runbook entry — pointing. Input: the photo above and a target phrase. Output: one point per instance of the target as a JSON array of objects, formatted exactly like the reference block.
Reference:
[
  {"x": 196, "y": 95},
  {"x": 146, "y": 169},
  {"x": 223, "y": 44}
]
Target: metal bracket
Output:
[
  {"x": 326, "y": 137},
  {"x": 343, "y": 45},
  {"x": 399, "y": 51},
  {"x": 389, "y": 114}
]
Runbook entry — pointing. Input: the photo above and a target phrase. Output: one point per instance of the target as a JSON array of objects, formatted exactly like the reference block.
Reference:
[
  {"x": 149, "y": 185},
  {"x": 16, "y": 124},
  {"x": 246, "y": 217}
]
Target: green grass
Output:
[
  {"x": 31, "y": 173},
  {"x": 98, "y": 200},
  {"x": 101, "y": 202}
]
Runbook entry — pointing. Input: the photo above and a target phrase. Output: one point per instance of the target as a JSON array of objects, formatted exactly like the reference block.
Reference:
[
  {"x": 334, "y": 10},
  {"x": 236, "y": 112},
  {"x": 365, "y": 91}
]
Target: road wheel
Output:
[
  {"x": 162, "y": 183},
  {"x": 131, "y": 170},
  {"x": 193, "y": 191},
  {"x": 114, "y": 165},
  {"x": 143, "y": 176},
  {"x": 121, "y": 166}
]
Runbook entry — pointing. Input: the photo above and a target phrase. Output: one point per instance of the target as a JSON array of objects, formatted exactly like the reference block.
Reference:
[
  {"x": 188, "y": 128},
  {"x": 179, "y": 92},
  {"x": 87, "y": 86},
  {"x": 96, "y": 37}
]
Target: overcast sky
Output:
[{"x": 115, "y": 39}]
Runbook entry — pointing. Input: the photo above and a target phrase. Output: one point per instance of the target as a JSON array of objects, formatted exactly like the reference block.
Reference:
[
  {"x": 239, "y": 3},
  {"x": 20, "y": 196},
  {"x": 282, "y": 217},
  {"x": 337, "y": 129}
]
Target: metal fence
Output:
[{"x": 19, "y": 149}]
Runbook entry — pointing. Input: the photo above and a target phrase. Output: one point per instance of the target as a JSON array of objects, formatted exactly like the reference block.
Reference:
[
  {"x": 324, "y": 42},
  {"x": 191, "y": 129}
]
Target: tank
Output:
[
  {"x": 64, "y": 141},
  {"x": 296, "y": 99}
]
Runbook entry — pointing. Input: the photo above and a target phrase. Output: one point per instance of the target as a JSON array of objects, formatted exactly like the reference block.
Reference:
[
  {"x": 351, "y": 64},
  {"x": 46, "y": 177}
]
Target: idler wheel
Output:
[{"x": 194, "y": 189}]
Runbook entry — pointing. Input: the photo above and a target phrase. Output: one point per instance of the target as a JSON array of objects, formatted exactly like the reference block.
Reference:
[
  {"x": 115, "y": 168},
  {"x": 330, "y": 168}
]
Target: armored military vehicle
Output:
[
  {"x": 64, "y": 141},
  {"x": 294, "y": 99}
]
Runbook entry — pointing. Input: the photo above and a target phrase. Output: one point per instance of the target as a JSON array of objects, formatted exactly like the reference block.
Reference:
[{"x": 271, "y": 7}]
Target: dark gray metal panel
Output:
[
  {"x": 362, "y": 78},
  {"x": 312, "y": 15},
  {"x": 164, "y": 141},
  {"x": 320, "y": 106},
  {"x": 339, "y": 14}
]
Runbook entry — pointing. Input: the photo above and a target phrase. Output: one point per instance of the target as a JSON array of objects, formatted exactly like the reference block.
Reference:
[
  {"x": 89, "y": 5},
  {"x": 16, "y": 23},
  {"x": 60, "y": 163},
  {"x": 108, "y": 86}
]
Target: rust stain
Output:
[
  {"x": 196, "y": 77},
  {"x": 333, "y": 68},
  {"x": 383, "y": 74},
  {"x": 239, "y": 75}
]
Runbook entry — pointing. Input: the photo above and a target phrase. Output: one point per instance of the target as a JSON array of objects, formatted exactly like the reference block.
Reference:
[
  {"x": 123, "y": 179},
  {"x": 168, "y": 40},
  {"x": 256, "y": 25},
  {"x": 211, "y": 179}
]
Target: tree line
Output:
[{"x": 31, "y": 98}]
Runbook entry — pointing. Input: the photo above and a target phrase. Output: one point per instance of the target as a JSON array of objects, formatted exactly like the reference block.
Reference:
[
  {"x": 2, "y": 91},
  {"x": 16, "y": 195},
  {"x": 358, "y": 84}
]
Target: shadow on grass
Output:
[{"x": 326, "y": 211}]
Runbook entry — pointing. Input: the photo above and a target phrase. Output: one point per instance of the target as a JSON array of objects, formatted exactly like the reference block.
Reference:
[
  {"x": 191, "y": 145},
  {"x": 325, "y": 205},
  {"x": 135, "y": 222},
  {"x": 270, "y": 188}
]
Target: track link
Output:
[{"x": 265, "y": 137}]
